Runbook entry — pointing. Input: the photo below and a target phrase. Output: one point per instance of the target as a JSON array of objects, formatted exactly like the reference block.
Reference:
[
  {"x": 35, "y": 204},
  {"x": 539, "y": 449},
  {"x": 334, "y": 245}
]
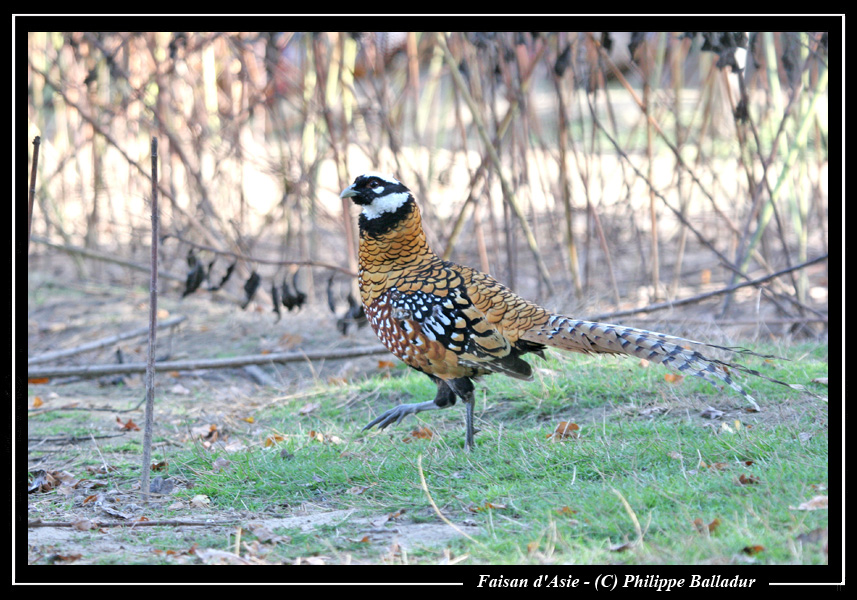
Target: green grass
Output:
[{"x": 524, "y": 498}]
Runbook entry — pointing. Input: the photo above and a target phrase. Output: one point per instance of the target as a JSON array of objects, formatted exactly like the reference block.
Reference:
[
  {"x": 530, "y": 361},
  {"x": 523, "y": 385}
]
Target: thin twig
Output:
[
  {"x": 32, "y": 196},
  {"x": 153, "y": 323},
  {"x": 111, "y": 258},
  {"x": 434, "y": 506},
  {"x": 206, "y": 363},
  {"x": 703, "y": 296},
  {"x": 49, "y": 356},
  {"x": 637, "y": 528},
  {"x": 508, "y": 193},
  {"x": 162, "y": 523}
]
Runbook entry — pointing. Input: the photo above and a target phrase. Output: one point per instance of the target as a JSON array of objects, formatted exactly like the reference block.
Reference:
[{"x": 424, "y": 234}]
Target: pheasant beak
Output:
[{"x": 349, "y": 192}]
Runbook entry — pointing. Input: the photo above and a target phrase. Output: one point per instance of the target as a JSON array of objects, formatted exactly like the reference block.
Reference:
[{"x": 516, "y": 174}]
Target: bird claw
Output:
[
  {"x": 394, "y": 414},
  {"x": 397, "y": 413}
]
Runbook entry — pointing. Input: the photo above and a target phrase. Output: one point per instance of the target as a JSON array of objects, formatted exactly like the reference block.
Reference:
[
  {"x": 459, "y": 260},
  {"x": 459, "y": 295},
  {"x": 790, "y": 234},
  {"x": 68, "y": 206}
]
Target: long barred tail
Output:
[{"x": 671, "y": 351}]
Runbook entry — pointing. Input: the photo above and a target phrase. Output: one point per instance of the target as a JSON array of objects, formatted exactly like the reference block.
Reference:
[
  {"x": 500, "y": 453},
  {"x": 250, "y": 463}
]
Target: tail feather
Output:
[{"x": 671, "y": 351}]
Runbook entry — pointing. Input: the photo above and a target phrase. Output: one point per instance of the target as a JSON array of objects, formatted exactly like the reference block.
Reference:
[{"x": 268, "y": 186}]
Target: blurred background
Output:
[{"x": 594, "y": 172}]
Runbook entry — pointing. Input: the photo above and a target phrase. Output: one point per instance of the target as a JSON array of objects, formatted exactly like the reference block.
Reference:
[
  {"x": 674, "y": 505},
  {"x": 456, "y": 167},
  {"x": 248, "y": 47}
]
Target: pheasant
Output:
[{"x": 455, "y": 323}]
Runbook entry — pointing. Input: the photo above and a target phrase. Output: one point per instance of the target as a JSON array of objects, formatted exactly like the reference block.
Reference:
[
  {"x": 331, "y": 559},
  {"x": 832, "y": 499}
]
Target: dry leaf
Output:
[
  {"x": 273, "y": 439},
  {"x": 386, "y": 364},
  {"x": 308, "y": 408},
  {"x": 206, "y": 432},
  {"x": 673, "y": 377},
  {"x": 200, "y": 501},
  {"x": 324, "y": 437},
  {"x": 235, "y": 446},
  {"x": 564, "y": 430},
  {"x": 816, "y": 503},
  {"x": 701, "y": 527},
  {"x": 745, "y": 480},
  {"x": 652, "y": 411},
  {"x": 621, "y": 547},
  {"x": 101, "y": 469},
  {"x": 421, "y": 433},
  {"x": 128, "y": 426},
  {"x": 54, "y": 558},
  {"x": 711, "y": 413},
  {"x": 395, "y": 515},
  {"x": 45, "y": 481},
  {"x": 705, "y": 276},
  {"x": 751, "y": 550},
  {"x": 37, "y": 402},
  {"x": 38, "y": 380},
  {"x": 82, "y": 525},
  {"x": 262, "y": 533}
]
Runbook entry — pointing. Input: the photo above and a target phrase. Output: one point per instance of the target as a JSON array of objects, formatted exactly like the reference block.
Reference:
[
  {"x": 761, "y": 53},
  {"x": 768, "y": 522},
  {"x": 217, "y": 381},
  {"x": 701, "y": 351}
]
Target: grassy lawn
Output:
[{"x": 646, "y": 479}]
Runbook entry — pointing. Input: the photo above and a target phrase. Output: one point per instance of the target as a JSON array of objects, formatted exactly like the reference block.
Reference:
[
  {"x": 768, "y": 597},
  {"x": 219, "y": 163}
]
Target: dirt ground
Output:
[{"x": 73, "y": 448}]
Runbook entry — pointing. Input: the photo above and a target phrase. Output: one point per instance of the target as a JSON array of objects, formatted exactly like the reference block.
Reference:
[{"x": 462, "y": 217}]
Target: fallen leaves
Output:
[
  {"x": 816, "y": 503},
  {"x": 711, "y": 413},
  {"x": 477, "y": 508},
  {"x": 389, "y": 517},
  {"x": 46, "y": 481},
  {"x": 710, "y": 528},
  {"x": 358, "y": 489},
  {"x": 325, "y": 438},
  {"x": 200, "y": 501},
  {"x": 308, "y": 408},
  {"x": 563, "y": 431},
  {"x": 747, "y": 479},
  {"x": 128, "y": 425},
  {"x": 673, "y": 378},
  {"x": 273, "y": 439},
  {"x": 420, "y": 433}
]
